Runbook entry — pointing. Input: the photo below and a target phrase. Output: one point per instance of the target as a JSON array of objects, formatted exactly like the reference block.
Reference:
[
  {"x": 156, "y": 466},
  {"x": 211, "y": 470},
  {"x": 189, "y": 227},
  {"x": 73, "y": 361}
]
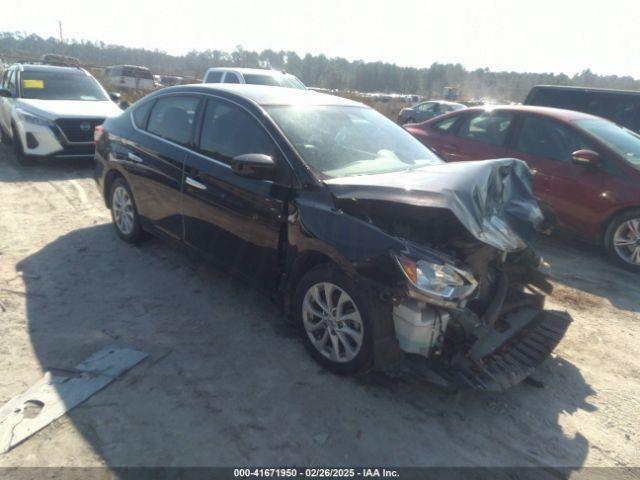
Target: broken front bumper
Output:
[
  {"x": 500, "y": 349},
  {"x": 502, "y": 359}
]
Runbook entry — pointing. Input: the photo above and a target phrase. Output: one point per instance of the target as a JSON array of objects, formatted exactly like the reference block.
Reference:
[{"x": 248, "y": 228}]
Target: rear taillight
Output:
[{"x": 97, "y": 134}]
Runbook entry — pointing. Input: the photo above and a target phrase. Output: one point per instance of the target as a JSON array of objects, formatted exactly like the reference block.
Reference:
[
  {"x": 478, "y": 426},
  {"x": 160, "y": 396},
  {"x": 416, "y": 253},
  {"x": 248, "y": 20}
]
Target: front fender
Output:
[{"x": 360, "y": 249}]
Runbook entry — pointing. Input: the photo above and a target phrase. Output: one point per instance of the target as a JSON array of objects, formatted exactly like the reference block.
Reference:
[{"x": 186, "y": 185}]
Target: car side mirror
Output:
[
  {"x": 254, "y": 165},
  {"x": 114, "y": 96},
  {"x": 5, "y": 93},
  {"x": 587, "y": 158}
]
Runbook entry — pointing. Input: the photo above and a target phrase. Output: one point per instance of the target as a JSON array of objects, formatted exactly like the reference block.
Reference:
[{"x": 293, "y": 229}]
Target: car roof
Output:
[
  {"x": 128, "y": 66},
  {"x": 584, "y": 89},
  {"x": 52, "y": 68},
  {"x": 267, "y": 95},
  {"x": 260, "y": 71},
  {"x": 557, "y": 113},
  {"x": 443, "y": 102}
]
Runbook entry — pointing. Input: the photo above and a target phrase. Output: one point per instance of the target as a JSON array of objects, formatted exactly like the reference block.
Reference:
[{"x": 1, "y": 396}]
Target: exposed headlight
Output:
[
  {"x": 442, "y": 280},
  {"x": 31, "y": 118}
]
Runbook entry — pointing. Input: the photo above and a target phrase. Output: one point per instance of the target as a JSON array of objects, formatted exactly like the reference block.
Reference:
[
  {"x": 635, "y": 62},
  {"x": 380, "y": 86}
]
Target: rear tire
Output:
[
  {"x": 124, "y": 212},
  {"x": 622, "y": 240},
  {"x": 335, "y": 320},
  {"x": 22, "y": 158}
]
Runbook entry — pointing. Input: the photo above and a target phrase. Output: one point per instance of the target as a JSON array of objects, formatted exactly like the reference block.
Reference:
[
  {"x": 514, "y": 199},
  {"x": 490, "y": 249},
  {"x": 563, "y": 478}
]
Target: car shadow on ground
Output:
[
  {"x": 43, "y": 170},
  {"x": 588, "y": 268},
  {"x": 226, "y": 384}
]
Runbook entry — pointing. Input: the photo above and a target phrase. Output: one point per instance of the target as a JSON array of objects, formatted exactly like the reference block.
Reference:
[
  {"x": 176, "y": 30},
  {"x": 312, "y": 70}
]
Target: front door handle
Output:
[
  {"x": 196, "y": 184},
  {"x": 133, "y": 157}
]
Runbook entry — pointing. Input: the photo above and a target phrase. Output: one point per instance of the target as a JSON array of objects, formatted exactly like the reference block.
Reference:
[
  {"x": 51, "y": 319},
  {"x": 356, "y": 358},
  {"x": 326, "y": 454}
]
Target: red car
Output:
[{"x": 586, "y": 170}]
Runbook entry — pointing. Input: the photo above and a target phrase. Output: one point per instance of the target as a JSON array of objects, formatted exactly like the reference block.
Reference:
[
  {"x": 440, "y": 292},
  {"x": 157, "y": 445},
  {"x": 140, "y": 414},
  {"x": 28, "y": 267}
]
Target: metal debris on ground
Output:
[{"x": 54, "y": 395}]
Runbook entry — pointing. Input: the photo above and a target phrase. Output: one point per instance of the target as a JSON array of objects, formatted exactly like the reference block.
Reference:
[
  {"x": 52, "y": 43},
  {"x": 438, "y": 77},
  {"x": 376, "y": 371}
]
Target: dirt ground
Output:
[{"x": 227, "y": 382}]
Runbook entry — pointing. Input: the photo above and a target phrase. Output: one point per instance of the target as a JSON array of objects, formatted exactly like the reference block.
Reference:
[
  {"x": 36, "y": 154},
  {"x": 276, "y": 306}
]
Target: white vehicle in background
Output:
[
  {"x": 254, "y": 76},
  {"x": 131, "y": 77},
  {"x": 51, "y": 112}
]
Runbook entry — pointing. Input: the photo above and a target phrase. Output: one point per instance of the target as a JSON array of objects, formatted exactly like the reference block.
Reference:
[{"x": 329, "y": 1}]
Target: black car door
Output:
[
  {"x": 155, "y": 160},
  {"x": 236, "y": 220}
]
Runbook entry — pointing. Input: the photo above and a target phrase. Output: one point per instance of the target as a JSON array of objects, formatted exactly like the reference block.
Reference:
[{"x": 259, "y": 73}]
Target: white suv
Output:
[
  {"x": 51, "y": 112},
  {"x": 254, "y": 76}
]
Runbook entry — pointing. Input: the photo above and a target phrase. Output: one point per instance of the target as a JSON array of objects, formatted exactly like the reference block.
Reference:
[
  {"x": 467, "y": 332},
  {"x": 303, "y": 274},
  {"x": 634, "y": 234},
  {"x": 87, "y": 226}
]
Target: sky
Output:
[{"x": 565, "y": 36}]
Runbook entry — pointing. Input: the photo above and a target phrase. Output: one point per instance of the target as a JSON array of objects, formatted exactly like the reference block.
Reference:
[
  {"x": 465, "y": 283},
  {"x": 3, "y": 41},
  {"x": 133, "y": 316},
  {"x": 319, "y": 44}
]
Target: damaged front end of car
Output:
[{"x": 473, "y": 295}]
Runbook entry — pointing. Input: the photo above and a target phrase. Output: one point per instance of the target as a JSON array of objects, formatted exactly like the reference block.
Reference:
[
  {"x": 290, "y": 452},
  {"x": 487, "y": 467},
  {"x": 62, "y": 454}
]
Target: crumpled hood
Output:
[
  {"x": 491, "y": 198},
  {"x": 54, "y": 109}
]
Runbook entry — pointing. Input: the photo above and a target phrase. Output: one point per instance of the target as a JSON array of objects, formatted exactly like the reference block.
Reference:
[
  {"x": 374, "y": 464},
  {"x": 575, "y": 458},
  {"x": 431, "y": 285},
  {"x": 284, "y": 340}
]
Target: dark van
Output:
[{"x": 620, "y": 106}]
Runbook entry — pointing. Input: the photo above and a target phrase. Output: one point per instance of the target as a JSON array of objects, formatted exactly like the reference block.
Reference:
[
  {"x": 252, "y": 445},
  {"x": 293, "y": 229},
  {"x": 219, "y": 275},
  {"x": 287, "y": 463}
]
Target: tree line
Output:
[{"x": 315, "y": 70}]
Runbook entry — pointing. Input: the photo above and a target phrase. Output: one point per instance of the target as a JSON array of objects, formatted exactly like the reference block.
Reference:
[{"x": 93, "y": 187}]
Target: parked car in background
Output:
[
  {"x": 586, "y": 170},
  {"x": 170, "y": 80},
  {"x": 254, "y": 76},
  {"x": 50, "y": 112},
  {"x": 426, "y": 110},
  {"x": 371, "y": 242},
  {"x": 619, "y": 106},
  {"x": 130, "y": 77}
]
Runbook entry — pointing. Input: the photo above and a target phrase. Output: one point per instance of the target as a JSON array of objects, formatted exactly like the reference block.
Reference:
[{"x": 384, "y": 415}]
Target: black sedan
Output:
[{"x": 373, "y": 245}]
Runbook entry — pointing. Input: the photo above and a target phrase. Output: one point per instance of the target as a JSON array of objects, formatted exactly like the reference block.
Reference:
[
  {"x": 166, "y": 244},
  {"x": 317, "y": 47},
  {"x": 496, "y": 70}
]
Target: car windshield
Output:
[
  {"x": 60, "y": 86},
  {"x": 342, "y": 141},
  {"x": 288, "y": 81},
  {"x": 621, "y": 140}
]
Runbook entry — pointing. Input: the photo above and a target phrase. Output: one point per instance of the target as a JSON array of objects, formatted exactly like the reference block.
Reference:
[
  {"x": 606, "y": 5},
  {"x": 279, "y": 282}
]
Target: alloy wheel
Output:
[
  {"x": 626, "y": 241},
  {"x": 332, "y": 322},
  {"x": 122, "y": 206}
]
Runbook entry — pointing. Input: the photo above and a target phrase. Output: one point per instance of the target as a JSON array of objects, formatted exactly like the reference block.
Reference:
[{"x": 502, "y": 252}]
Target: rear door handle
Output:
[
  {"x": 196, "y": 184},
  {"x": 133, "y": 157}
]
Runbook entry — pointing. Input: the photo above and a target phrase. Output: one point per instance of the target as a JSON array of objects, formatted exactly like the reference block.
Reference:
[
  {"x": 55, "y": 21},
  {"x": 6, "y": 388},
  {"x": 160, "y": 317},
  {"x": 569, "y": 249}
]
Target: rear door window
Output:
[
  {"x": 546, "y": 138},
  {"x": 213, "y": 77},
  {"x": 262, "y": 80},
  {"x": 446, "y": 125},
  {"x": 172, "y": 118},
  {"x": 621, "y": 108},
  {"x": 141, "y": 113},
  {"x": 231, "y": 77},
  {"x": 487, "y": 127},
  {"x": 428, "y": 107},
  {"x": 229, "y": 131}
]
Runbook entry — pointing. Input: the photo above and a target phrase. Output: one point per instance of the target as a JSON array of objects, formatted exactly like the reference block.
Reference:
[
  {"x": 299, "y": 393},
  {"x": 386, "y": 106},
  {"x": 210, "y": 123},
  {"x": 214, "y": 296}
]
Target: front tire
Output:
[
  {"x": 622, "y": 240},
  {"x": 334, "y": 317},
  {"x": 124, "y": 212},
  {"x": 22, "y": 158},
  {"x": 4, "y": 138}
]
